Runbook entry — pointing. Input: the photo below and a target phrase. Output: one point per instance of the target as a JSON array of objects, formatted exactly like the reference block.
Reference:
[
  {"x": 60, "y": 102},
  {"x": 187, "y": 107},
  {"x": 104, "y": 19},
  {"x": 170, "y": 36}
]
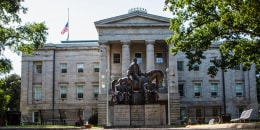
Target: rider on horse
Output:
[{"x": 135, "y": 72}]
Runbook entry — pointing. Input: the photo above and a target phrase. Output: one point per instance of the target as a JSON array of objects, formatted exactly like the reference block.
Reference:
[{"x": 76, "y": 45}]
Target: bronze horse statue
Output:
[{"x": 156, "y": 75}]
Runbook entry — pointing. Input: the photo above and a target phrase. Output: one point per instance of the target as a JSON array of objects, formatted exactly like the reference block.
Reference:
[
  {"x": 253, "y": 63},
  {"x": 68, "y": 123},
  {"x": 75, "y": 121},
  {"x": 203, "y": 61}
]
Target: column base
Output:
[{"x": 174, "y": 108}]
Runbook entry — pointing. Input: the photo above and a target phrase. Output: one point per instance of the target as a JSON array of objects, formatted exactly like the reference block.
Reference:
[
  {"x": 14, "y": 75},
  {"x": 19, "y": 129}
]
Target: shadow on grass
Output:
[{"x": 56, "y": 127}]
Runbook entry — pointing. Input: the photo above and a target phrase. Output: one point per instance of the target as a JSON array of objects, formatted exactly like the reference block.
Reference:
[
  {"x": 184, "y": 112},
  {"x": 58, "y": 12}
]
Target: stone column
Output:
[
  {"x": 103, "y": 68},
  {"x": 125, "y": 56},
  {"x": 173, "y": 97},
  {"x": 104, "y": 80},
  {"x": 149, "y": 55}
]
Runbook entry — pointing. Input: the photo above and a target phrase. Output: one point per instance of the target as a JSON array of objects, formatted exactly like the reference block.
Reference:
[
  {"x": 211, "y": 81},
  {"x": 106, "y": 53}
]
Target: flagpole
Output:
[{"x": 68, "y": 24}]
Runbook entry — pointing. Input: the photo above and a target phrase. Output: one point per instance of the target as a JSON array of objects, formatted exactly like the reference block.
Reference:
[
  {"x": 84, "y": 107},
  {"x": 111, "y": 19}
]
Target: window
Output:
[
  {"x": 198, "y": 113},
  {"x": 63, "y": 67},
  {"x": 80, "y": 67},
  {"x": 36, "y": 117},
  {"x": 196, "y": 67},
  {"x": 211, "y": 64},
  {"x": 237, "y": 67},
  {"x": 63, "y": 92},
  {"x": 182, "y": 113},
  {"x": 159, "y": 58},
  {"x": 138, "y": 57},
  {"x": 214, "y": 89},
  {"x": 240, "y": 110},
  {"x": 95, "y": 90},
  {"x": 38, "y": 68},
  {"x": 180, "y": 65},
  {"x": 116, "y": 57},
  {"x": 197, "y": 89},
  {"x": 181, "y": 89},
  {"x": 37, "y": 93},
  {"x": 96, "y": 67},
  {"x": 239, "y": 90},
  {"x": 80, "y": 91},
  {"x": 215, "y": 111}
]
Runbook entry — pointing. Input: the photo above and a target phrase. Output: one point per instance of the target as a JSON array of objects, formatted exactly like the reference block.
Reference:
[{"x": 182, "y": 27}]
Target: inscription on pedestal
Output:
[
  {"x": 122, "y": 115},
  {"x": 152, "y": 114},
  {"x": 137, "y": 115}
]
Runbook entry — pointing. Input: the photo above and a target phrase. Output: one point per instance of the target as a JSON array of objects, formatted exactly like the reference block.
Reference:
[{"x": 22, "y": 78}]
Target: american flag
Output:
[{"x": 65, "y": 29}]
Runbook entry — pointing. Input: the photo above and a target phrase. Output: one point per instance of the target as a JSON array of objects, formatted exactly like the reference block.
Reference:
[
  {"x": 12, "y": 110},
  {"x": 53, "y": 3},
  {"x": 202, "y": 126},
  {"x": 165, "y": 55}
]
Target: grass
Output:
[
  {"x": 42, "y": 126},
  {"x": 49, "y": 126}
]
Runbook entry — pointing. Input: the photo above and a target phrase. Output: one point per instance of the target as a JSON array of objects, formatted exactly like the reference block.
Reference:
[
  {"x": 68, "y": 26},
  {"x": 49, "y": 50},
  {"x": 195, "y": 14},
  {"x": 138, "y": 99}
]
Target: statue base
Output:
[
  {"x": 137, "y": 98},
  {"x": 138, "y": 115}
]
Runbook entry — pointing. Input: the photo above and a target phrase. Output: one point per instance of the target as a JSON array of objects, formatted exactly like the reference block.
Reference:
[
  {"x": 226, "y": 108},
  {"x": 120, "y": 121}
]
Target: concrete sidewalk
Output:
[{"x": 228, "y": 126}]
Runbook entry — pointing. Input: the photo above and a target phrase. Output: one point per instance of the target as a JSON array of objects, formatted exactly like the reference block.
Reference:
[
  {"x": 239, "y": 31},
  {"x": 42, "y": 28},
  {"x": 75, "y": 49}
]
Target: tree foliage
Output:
[
  {"x": 11, "y": 85},
  {"x": 197, "y": 24},
  {"x": 18, "y": 37},
  {"x": 4, "y": 99}
]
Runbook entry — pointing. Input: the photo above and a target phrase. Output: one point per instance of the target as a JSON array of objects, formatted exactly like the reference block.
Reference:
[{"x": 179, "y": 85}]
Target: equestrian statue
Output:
[{"x": 137, "y": 82}]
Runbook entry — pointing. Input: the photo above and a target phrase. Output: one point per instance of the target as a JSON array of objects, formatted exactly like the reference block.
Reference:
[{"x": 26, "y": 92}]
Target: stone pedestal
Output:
[
  {"x": 138, "y": 115},
  {"x": 122, "y": 115},
  {"x": 152, "y": 114}
]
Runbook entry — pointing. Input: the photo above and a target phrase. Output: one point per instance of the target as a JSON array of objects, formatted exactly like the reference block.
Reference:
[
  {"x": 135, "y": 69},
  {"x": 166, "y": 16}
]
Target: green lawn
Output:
[
  {"x": 48, "y": 126},
  {"x": 42, "y": 126}
]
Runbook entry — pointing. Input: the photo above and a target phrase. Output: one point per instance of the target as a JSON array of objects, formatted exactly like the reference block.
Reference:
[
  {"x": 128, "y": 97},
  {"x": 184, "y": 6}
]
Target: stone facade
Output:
[
  {"x": 183, "y": 93},
  {"x": 42, "y": 73}
]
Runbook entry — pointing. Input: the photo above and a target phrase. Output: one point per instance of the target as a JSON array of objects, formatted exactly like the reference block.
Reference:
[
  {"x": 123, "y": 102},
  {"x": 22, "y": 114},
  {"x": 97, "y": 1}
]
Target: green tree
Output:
[
  {"x": 196, "y": 24},
  {"x": 4, "y": 99},
  {"x": 12, "y": 87},
  {"x": 19, "y": 38}
]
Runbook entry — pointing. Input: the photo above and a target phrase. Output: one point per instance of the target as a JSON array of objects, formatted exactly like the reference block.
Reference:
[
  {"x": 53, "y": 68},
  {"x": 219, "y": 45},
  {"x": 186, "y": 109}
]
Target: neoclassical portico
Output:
[
  {"x": 125, "y": 45},
  {"x": 136, "y": 34}
]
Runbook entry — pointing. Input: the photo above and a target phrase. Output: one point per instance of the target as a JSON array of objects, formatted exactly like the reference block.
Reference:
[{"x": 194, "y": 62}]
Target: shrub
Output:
[{"x": 93, "y": 119}]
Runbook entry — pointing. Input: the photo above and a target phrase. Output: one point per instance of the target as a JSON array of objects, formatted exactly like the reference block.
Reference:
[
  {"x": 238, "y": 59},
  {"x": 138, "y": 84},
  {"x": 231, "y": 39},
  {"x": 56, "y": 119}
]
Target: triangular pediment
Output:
[{"x": 134, "y": 19}]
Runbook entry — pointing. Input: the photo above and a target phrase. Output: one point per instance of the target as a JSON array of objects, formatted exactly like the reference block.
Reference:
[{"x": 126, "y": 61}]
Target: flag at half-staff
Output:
[{"x": 65, "y": 29}]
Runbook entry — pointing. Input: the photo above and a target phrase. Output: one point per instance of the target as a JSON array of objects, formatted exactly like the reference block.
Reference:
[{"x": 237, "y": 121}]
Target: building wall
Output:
[
  {"x": 88, "y": 56},
  {"x": 71, "y": 55},
  {"x": 206, "y": 102},
  {"x": 126, "y": 35}
]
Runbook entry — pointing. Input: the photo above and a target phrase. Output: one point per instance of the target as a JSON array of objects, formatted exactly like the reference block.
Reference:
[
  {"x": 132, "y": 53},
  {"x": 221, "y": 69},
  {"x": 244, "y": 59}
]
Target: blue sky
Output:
[{"x": 82, "y": 15}]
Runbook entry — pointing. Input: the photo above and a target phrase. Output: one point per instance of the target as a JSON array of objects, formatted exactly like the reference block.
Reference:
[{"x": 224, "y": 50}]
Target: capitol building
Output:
[{"x": 61, "y": 82}]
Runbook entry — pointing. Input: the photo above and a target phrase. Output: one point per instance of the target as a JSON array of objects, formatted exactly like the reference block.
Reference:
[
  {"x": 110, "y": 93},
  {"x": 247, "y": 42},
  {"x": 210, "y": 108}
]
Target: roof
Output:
[
  {"x": 73, "y": 43},
  {"x": 135, "y": 17}
]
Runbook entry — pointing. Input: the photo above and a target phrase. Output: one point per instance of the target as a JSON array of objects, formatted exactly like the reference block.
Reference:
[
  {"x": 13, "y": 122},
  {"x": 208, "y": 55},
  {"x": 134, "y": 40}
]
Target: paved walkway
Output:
[{"x": 229, "y": 126}]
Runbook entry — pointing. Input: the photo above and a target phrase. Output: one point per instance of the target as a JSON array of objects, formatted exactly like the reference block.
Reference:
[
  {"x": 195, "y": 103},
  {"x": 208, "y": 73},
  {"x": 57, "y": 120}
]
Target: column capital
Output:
[
  {"x": 102, "y": 42},
  {"x": 125, "y": 42},
  {"x": 149, "y": 42}
]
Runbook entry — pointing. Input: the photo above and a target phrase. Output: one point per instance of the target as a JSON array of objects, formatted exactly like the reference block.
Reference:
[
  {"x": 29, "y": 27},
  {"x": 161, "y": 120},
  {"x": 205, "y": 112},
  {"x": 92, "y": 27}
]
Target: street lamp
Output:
[{"x": 168, "y": 94}]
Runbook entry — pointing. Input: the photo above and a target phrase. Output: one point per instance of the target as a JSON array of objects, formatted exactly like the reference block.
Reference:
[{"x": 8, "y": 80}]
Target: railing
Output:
[{"x": 202, "y": 120}]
